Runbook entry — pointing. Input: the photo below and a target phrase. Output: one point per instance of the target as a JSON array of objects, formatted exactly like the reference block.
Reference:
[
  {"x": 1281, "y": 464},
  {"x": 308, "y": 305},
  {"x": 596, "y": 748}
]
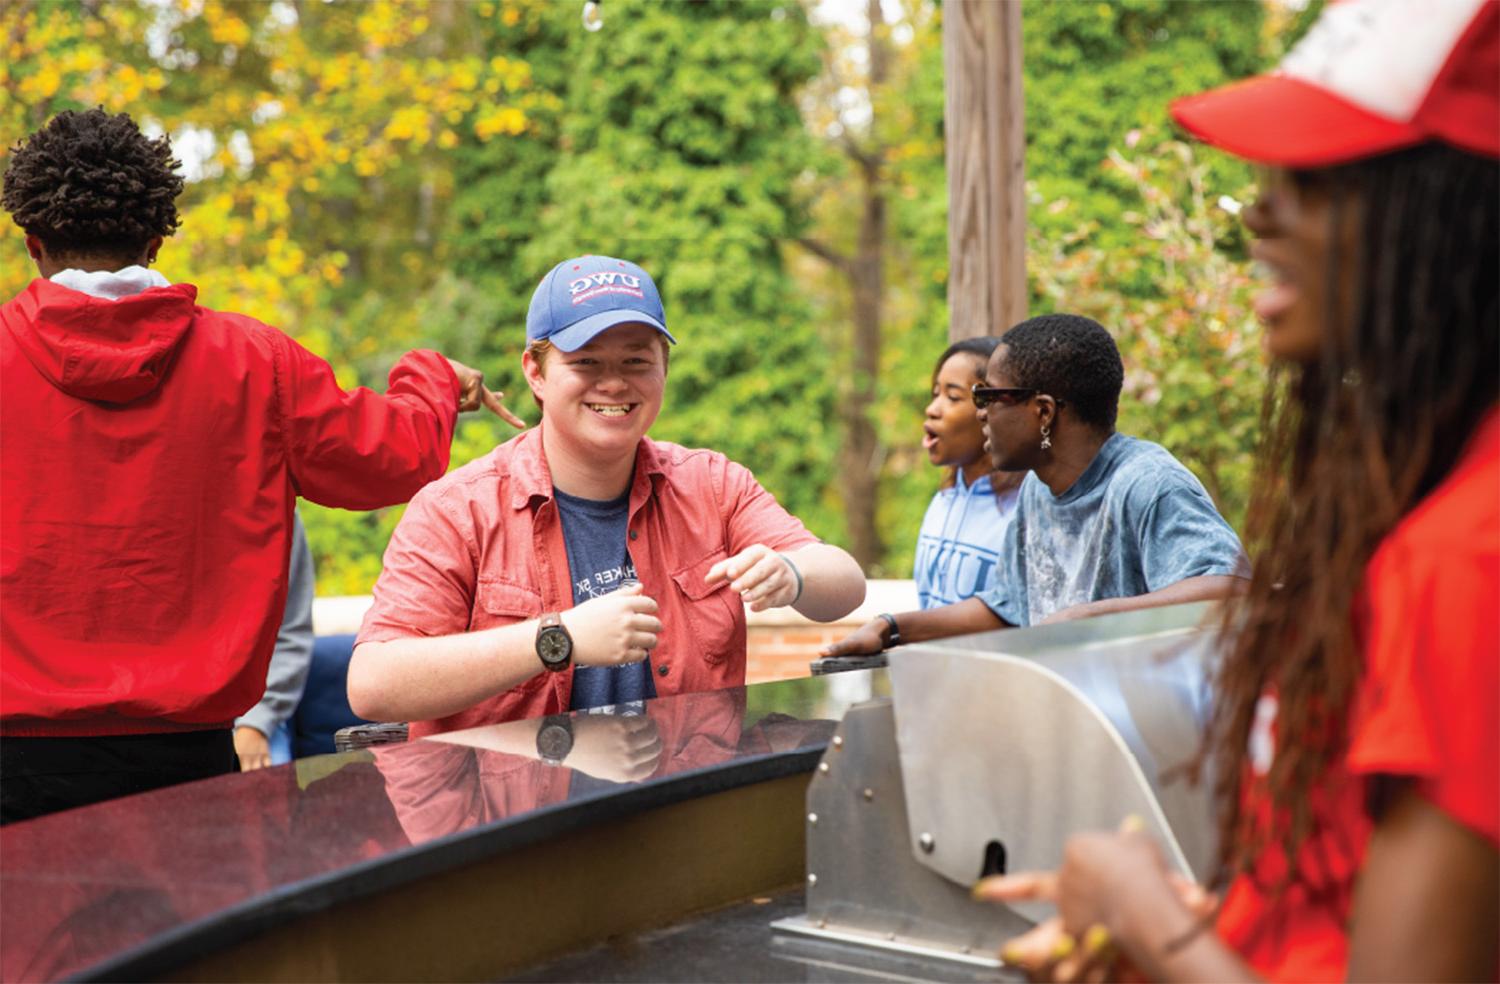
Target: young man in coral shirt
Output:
[{"x": 582, "y": 564}]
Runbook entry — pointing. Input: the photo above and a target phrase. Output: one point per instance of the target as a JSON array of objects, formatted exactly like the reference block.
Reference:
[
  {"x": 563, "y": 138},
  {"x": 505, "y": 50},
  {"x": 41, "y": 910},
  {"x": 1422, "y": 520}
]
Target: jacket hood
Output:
[{"x": 111, "y": 351}]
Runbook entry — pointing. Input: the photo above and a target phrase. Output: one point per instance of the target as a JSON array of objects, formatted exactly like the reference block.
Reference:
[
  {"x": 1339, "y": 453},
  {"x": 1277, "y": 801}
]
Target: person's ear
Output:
[
  {"x": 35, "y": 249},
  {"x": 535, "y": 374},
  {"x": 152, "y": 246},
  {"x": 1046, "y": 410}
]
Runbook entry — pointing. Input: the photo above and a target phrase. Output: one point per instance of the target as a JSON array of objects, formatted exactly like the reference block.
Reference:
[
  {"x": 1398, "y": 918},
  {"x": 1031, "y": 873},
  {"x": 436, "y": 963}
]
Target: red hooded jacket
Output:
[{"x": 152, "y": 453}]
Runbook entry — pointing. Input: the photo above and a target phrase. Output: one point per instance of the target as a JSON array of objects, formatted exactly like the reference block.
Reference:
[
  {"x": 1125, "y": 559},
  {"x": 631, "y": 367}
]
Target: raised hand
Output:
[
  {"x": 760, "y": 575},
  {"x": 620, "y": 627},
  {"x": 473, "y": 395}
]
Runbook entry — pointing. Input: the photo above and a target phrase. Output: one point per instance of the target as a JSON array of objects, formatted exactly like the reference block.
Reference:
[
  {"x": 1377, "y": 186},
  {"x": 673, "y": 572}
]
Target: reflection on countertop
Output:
[{"x": 82, "y": 887}]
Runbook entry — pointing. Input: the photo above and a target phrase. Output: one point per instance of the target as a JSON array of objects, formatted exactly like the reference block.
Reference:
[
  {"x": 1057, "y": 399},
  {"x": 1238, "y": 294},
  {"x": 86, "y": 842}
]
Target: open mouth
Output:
[
  {"x": 1281, "y": 291},
  {"x": 929, "y": 439},
  {"x": 612, "y": 409}
]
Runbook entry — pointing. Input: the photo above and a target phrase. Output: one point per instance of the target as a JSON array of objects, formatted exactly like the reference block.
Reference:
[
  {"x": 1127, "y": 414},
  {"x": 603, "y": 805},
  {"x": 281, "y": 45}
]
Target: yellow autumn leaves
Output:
[{"x": 276, "y": 111}]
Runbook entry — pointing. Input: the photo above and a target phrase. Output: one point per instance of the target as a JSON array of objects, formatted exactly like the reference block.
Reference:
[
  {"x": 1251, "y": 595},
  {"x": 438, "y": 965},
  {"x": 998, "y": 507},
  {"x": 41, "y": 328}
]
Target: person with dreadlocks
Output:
[
  {"x": 154, "y": 450},
  {"x": 1103, "y": 523},
  {"x": 1357, "y": 736}
]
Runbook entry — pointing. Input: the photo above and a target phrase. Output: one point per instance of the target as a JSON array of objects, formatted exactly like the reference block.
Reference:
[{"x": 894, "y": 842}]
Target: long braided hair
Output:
[{"x": 1350, "y": 444}]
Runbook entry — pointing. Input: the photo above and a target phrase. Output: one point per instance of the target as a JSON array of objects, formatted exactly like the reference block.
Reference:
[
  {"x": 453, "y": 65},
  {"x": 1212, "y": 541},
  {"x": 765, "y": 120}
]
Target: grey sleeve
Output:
[
  {"x": 1006, "y": 595},
  {"x": 1184, "y": 536},
  {"x": 294, "y": 643}
]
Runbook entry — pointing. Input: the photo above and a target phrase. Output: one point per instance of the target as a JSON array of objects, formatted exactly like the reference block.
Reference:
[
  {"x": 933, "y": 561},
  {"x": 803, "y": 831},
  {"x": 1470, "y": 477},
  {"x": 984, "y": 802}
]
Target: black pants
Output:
[{"x": 43, "y": 775}]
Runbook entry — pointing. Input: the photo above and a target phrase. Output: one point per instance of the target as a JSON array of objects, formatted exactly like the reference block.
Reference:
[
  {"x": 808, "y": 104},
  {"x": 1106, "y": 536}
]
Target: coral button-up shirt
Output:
[{"x": 483, "y": 547}]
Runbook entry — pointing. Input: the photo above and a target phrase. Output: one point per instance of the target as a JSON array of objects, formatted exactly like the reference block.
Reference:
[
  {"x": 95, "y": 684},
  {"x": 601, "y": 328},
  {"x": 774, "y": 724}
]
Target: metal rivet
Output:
[
  {"x": 838, "y": 741},
  {"x": 812, "y": 818},
  {"x": 633, "y": 534},
  {"x": 823, "y": 767},
  {"x": 812, "y": 879},
  {"x": 926, "y": 843},
  {"x": 869, "y": 794},
  {"x": 662, "y": 670}
]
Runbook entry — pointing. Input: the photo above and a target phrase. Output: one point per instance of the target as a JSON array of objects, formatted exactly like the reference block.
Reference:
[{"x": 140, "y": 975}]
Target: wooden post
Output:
[{"x": 986, "y": 138}]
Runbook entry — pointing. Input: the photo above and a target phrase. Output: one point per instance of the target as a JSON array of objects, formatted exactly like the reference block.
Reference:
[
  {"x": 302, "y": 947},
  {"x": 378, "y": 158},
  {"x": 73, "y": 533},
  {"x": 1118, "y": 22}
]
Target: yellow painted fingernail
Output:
[
  {"x": 1064, "y": 946},
  {"x": 1132, "y": 824},
  {"x": 1096, "y": 940}
]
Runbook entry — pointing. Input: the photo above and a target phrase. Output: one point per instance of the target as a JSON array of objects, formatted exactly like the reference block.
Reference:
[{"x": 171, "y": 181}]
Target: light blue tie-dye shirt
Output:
[{"x": 1136, "y": 521}]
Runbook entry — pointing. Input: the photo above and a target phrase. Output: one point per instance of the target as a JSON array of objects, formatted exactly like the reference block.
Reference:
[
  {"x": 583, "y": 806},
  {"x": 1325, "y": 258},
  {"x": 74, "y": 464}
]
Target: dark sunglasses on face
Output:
[{"x": 1004, "y": 396}]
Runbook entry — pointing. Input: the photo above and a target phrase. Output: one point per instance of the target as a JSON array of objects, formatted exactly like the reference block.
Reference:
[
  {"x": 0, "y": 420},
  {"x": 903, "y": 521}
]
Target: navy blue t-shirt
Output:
[{"x": 599, "y": 561}]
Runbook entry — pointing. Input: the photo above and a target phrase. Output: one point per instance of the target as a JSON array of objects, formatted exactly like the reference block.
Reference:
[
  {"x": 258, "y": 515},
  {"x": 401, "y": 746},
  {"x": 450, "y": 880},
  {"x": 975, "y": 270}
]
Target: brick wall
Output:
[{"x": 781, "y": 643}]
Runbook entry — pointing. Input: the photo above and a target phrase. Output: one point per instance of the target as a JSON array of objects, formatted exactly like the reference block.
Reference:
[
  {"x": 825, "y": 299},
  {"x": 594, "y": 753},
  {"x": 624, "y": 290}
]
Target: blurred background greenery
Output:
[{"x": 374, "y": 176}]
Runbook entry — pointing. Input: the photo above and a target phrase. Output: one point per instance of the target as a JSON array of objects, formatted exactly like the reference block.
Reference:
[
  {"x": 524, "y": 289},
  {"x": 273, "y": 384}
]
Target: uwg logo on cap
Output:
[{"x": 609, "y": 282}]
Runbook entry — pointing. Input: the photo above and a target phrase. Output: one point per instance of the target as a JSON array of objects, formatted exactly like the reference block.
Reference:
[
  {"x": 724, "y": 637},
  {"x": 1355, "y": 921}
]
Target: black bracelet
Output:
[{"x": 892, "y": 637}]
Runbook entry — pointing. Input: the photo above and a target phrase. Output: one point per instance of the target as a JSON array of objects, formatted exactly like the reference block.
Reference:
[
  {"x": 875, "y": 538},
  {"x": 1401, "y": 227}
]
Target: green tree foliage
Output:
[
  {"x": 675, "y": 141},
  {"x": 1100, "y": 76},
  {"x": 373, "y": 176}
]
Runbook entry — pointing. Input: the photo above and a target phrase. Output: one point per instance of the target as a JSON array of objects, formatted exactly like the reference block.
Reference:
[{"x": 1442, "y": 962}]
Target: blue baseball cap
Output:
[{"x": 581, "y": 297}]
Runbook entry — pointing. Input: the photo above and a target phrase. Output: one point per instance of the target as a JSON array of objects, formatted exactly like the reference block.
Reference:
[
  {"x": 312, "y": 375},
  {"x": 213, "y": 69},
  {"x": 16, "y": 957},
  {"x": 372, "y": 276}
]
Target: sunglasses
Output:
[{"x": 1005, "y": 396}]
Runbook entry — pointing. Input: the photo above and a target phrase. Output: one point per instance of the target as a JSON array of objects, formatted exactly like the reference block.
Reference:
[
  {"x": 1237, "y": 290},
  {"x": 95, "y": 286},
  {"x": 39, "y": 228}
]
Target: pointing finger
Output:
[
  {"x": 1027, "y": 886},
  {"x": 493, "y": 401}
]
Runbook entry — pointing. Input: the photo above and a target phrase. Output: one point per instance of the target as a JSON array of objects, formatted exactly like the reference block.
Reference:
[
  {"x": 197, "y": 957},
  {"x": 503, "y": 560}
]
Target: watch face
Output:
[
  {"x": 554, "y": 742},
  {"x": 554, "y": 646}
]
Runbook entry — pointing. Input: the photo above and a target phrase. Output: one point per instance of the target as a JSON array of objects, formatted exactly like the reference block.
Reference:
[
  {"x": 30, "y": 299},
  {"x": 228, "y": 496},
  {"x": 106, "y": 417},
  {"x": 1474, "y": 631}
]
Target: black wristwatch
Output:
[
  {"x": 893, "y": 633},
  {"x": 554, "y": 647},
  {"x": 554, "y": 739}
]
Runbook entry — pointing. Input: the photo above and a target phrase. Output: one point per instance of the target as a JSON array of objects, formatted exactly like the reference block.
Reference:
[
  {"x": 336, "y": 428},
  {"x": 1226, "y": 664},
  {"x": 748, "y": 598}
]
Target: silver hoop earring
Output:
[{"x": 1046, "y": 438}]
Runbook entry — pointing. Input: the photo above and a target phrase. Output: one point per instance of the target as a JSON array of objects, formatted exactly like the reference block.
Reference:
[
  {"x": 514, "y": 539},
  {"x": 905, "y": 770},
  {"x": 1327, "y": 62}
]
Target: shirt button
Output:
[
  {"x": 662, "y": 670},
  {"x": 632, "y": 534}
]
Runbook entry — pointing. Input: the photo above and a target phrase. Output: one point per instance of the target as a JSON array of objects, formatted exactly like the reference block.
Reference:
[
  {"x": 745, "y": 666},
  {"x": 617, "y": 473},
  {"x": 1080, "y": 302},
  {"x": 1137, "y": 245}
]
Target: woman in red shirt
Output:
[{"x": 1356, "y": 756}]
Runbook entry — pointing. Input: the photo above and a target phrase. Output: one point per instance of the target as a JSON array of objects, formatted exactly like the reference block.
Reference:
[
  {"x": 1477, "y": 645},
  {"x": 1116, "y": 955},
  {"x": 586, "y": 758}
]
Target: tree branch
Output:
[{"x": 826, "y": 253}]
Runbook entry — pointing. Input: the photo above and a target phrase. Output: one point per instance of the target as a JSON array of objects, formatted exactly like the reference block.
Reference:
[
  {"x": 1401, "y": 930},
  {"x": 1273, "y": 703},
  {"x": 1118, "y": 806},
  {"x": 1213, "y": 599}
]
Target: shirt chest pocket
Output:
[
  {"x": 715, "y": 615},
  {"x": 501, "y": 602}
]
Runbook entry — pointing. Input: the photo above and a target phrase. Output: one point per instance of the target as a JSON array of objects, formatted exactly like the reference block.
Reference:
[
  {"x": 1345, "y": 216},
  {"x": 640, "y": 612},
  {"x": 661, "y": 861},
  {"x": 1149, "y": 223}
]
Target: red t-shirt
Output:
[{"x": 1428, "y": 709}]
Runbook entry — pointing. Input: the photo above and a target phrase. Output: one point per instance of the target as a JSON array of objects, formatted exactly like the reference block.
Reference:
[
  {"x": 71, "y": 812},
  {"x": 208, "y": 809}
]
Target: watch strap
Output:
[{"x": 893, "y": 631}]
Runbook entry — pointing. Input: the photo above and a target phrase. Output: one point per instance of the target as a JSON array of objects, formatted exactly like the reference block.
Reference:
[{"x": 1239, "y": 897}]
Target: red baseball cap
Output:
[{"x": 1372, "y": 76}]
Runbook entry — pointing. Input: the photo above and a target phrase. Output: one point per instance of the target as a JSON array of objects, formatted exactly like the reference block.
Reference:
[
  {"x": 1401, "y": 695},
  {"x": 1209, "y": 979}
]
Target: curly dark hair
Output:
[
  {"x": 1072, "y": 359},
  {"x": 91, "y": 184}
]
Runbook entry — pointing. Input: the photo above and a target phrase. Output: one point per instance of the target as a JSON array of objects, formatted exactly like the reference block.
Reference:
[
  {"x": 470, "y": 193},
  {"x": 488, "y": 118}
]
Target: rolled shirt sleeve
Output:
[
  {"x": 754, "y": 516},
  {"x": 428, "y": 576}
]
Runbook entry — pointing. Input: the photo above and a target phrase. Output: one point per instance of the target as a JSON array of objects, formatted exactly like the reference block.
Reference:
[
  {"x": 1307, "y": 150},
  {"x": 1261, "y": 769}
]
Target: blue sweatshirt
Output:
[{"x": 958, "y": 548}]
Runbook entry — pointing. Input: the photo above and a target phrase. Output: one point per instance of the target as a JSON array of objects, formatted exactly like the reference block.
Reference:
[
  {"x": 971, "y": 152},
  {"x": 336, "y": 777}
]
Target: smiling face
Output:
[
  {"x": 605, "y": 396},
  {"x": 1012, "y": 435},
  {"x": 951, "y": 435},
  {"x": 1298, "y": 233}
]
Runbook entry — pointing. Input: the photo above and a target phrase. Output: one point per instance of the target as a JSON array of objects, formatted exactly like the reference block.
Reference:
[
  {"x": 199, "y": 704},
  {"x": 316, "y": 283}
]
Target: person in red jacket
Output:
[
  {"x": 1357, "y": 732},
  {"x": 153, "y": 451}
]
